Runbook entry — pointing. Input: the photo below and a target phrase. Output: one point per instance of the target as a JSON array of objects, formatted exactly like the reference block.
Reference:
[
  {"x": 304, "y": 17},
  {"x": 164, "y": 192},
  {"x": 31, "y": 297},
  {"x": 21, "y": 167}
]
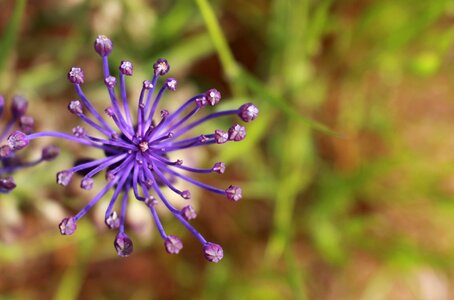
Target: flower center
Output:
[{"x": 143, "y": 146}]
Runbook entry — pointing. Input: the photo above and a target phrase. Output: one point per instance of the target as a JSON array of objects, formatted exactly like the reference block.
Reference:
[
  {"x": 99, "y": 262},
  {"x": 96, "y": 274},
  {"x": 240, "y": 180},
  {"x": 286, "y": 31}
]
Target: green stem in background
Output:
[
  {"x": 296, "y": 168},
  {"x": 230, "y": 66},
  {"x": 9, "y": 37},
  {"x": 281, "y": 236},
  {"x": 240, "y": 78},
  {"x": 267, "y": 95},
  {"x": 295, "y": 278}
]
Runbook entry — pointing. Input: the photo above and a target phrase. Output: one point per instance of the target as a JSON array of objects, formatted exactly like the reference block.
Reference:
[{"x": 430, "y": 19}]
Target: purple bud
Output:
[
  {"x": 112, "y": 221},
  {"x": 219, "y": 167},
  {"x": 78, "y": 131},
  {"x": 67, "y": 226},
  {"x": 75, "y": 107},
  {"x": 171, "y": 84},
  {"x": 213, "y": 252},
  {"x": 2, "y": 104},
  {"x": 109, "y": 111},
  {"x": 237, "y": 133},
  {"x": 233, "y": 193},
  {"x": 5, "y": 151},
  {"x": 151, "y": 201},
  {"x": 164, "y": 113},
  {"x": 126, "y": 68},
  {"x": 64, "y": 177},
  {"x": 19, "y": 106},
  {"x": 123, "y": 244},
  {"x": 86, "y": 183},
  {"x": 147, "y": 84},
  {"x": 248, "y": 112},
  {"x": 17, "y": 140},
  {"x": 213, "y": 96},
  {"x": 161, "y": 67},
  {"x": 201, "y": 102},
  {"x": 110, "y": 176},
  {"x": 186, "y": 194},
  {"x": 103, "y": 45},
  {"x": 7, "y": 184},
  {"x": 188, "y": 212},
  {"x": 220, "y": 136},
  {"x": 27, "y": 124},
  {"x": 76, "y": 75},
  {"x": 149, "y": 185},
  {"x": 173, "y": 244},
  {"x": 110, "y": 81},
  {"x": 50, "y": 152}
]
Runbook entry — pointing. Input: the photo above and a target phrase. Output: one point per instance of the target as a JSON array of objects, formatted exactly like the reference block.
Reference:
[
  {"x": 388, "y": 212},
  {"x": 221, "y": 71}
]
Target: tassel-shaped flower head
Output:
[
  {"x": 17, "y": 140},
  {"x": 136, "y": 150}
]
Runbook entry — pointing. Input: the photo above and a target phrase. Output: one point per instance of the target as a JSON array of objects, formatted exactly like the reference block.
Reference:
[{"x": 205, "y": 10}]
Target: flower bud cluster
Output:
[{"x": 136, "y": 151}]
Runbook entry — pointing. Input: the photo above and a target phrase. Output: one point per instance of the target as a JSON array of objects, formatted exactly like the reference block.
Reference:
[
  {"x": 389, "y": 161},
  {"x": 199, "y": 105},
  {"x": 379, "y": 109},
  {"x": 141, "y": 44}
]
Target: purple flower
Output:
[
  {"x": 123, "y": 244},
  {"x": 213, "y": 252},
  {"x": 67, "y": 226},
  {"x": 188, "y": 212},
  {"x": 17, "y": 140},
  {"x": 173, "y": 244},
  {"x": 137, "y": 150}
]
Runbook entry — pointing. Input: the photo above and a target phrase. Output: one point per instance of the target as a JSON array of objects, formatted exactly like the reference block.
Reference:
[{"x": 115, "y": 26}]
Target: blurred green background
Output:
[{"x": 347, "y": 174}]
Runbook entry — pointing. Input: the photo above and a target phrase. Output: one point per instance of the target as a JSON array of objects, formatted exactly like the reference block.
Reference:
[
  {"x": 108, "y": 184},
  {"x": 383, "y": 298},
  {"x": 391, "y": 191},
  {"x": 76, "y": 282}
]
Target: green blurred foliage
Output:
[{"x": 347, "y": 173}]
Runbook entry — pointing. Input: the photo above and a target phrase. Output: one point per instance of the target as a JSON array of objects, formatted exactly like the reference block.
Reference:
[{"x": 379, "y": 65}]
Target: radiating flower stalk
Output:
[
  {"x": 136, "y": 151},
  {"x": 10, "y": 162}
]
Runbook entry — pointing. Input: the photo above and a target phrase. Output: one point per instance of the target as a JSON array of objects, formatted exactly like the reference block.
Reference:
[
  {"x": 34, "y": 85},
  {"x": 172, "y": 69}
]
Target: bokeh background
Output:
[{"x": 347, "y": 175}]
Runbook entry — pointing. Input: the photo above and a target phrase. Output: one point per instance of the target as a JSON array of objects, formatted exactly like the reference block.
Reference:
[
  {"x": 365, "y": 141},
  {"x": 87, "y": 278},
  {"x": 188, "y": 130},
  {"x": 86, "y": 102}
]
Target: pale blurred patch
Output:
[
  {"x": 433, "y": 285},
  {"x": 11, "y": 219},
  {"x": 108, "y": 17}
]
